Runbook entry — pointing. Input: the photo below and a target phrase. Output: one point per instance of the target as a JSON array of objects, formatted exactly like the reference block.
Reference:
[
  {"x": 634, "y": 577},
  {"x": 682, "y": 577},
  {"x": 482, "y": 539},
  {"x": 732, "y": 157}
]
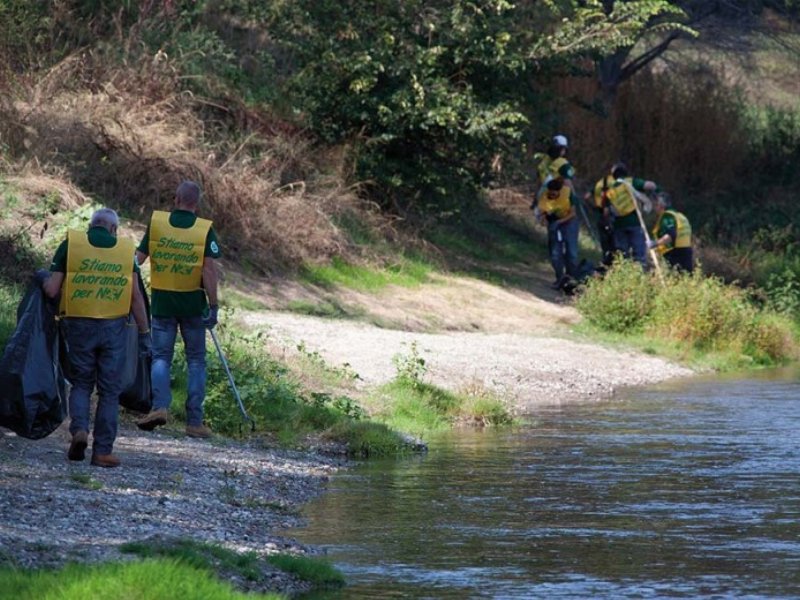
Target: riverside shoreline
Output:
[{"x": 242, "y": 494}]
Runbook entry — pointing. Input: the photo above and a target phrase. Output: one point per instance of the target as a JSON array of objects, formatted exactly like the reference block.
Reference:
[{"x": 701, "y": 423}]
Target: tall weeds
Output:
[{"x": 701, "y": 312}]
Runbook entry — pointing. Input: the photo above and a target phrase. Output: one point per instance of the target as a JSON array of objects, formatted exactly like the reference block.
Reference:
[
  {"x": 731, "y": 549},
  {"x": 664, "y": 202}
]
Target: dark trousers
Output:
[
  {"x": 680, "y": 259},
  {"x": 96, "y": 356}
]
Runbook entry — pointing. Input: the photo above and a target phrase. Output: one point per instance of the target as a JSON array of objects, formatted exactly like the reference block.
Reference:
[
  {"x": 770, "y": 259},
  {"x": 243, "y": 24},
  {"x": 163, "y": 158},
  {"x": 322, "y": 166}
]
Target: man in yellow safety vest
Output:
[
  {"x": 557, "y": 209},
  {"x": 672, "y": 235},
  {"x": 620, "y": 203},
  {"x": 97, "y": 278},
  {"x": 183, "y": 250}
]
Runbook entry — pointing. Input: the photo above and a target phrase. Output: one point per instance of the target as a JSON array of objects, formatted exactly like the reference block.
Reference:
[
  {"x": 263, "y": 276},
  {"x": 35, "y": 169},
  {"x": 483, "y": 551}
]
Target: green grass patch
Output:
[
  {"x": 320, "y": 573},
  {"x": 421, "y": 408},
  {"x": 210, "y": 557},
  {"x": 278, "y": 404},
  {"x": 330, "y": 308},
  {"x": 85, "y": 481},
  {"x": 689, "y": 315},
  {"x": 143, "y": 580},
  {"x": 404, "y": 272},
  {"x": 368, "y": 439},
  {"x": 236, "y": 300}
]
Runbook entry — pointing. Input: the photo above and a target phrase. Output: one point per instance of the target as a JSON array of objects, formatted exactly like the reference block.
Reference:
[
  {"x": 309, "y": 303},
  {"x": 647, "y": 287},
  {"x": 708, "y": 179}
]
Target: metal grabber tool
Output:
[{"x": 224, "y": 362}]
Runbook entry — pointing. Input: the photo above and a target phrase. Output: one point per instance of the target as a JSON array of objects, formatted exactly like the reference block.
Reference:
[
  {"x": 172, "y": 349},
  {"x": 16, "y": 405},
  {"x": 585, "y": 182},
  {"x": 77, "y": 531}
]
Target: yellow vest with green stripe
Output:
[
  {"x": 621, "y": 197},
  {"x": 557, "y": 207},
  {"x": 176, "y": 254},
  {"x": 548, "y": 168},
  {"x": 683, "y": 233},
  {"x": 99, "y": 281}
]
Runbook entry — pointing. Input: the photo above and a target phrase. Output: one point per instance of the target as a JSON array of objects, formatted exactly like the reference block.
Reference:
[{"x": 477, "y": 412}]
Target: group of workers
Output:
[
  {"x": 95, "y": 275},
  {"x": 618, "y": 199}
]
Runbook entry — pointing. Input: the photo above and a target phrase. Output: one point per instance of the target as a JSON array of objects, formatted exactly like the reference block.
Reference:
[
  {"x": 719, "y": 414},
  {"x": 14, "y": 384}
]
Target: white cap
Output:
[{"x": 560, "y": 140}]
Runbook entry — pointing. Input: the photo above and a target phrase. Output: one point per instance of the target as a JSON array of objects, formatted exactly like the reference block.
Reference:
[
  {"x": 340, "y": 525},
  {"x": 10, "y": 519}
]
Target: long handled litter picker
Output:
[
  {"x": 653, "y": 255},
  {"x": 224, "y": 362}
]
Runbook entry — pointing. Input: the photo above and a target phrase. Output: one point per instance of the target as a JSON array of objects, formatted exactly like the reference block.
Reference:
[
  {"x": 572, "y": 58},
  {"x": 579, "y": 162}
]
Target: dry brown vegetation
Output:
[
  {"x": 127, "y": 136},
  {"x": 679, "y": 128}
]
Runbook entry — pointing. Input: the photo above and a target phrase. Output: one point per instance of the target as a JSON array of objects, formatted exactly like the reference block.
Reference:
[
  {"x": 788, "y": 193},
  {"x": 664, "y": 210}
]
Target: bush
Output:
[
  {"x": 702, "y": 312},
  {"x": 621, "y": 301}
]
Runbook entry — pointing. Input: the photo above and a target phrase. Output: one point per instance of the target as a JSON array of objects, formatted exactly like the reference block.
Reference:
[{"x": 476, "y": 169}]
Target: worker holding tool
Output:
[
  {"x": 183, "y": 250},
  {"x": 605, "y": 225},
  {"x": 672, "y": 235},
  {"x": 621, "y": 202}
]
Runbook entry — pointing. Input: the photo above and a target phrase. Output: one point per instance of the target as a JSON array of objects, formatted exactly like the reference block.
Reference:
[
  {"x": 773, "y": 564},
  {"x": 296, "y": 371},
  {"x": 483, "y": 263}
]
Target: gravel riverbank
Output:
[
  {"x": 239, "y": 495},
  {"x": 529, "y": 369}
]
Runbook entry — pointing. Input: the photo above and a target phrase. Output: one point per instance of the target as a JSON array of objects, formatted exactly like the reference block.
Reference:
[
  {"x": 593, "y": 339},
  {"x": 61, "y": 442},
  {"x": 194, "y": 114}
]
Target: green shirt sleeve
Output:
[
  {"x": 59, "y": 264},
  {"x": 638, "y": 184},
  {"x": 668, "y": 226},
  {"x": 567, "y": 171},
  {"x": 212, "y": 245}
]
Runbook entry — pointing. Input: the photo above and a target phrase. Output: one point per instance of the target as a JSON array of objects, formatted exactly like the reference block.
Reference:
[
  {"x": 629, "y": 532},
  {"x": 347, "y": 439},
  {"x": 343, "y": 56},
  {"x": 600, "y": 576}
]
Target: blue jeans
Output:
[
  {"x": 630, "y": 241},
  {"x": 562, "y": 243},
  {"x": 193, "y": 333},
  {"x": 97, "y": 357}
]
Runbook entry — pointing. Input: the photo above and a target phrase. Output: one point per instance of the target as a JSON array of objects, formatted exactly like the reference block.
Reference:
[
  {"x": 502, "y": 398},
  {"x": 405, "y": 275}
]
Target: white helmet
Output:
[{"x": 560, "y": 140}]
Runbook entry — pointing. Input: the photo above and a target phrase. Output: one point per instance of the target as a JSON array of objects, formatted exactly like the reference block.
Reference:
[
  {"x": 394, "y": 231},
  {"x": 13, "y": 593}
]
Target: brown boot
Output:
[
  {"x": 105, "y": 460},
  {"x": 198, "y": 431},
  {"x": 77, "y": 447},
  {"x": 155, "y": 418}
]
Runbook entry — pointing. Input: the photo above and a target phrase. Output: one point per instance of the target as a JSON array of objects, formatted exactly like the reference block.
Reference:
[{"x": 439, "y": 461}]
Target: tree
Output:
[{"x": 428, "y": 92}]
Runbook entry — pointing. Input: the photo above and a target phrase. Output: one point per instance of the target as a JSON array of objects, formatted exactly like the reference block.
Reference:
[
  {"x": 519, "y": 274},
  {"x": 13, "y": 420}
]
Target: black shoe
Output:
[{"x": 77, "y": 447}]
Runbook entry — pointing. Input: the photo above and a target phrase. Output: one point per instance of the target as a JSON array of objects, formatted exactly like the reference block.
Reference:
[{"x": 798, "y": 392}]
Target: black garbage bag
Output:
[
  {"x": 137, "y": 394},
  {"x": 32, "y": 385}
]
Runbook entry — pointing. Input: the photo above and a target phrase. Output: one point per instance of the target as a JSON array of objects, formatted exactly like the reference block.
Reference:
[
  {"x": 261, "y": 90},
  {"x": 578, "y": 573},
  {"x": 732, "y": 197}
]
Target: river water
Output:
[{"x": 687, "y": 490}]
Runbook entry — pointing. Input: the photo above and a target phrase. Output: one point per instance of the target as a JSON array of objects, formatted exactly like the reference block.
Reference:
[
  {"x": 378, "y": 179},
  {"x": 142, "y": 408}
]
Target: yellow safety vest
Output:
[
  {"x": 621, "y": 198},
  {"x": 557, "y": 207},
  {"x": 99, "y": 281},
  {"x": 683, "y": 235},
  {"x": 543, "y": 168},
  {"x": 176, "y": 254},
  {"x": 598, "y": 189}
]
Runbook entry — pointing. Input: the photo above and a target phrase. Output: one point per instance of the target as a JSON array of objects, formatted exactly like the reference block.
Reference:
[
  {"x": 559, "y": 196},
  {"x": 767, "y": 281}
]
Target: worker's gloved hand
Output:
[
  {"x": 41, "y": 276},
  {"x": 210, "y": 320},
  {"x": 145, "y": 344},
  {"x": 651, "y": 244}
]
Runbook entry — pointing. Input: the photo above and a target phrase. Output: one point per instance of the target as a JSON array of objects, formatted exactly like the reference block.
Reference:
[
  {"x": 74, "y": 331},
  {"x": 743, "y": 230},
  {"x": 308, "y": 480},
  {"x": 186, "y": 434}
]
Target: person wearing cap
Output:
[
  {"x": 97, "y": 279},
  {"x": 557, "y": 208},
  {"x": 554, "y": 163},
  {"x": 183, "y": 251},
  {"x": 672, "y": 235},
  {"x": 619, "y": 203},
  {"x": 605, "y": 227}
]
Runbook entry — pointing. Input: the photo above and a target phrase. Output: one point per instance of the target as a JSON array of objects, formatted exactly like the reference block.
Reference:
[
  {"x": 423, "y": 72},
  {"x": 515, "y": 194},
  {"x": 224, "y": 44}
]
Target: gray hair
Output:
[
  {"x": 105, "y": 218},
  {"x": 188, "y": 193}
]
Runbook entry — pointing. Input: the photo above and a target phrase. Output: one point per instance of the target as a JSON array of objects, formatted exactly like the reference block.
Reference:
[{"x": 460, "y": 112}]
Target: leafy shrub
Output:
[
  {"x": 411, "y": 368},
  {"x": 700, "y": 311},
  {"x": 783, "y": 292},
  {"x": 621, "y": 301}
]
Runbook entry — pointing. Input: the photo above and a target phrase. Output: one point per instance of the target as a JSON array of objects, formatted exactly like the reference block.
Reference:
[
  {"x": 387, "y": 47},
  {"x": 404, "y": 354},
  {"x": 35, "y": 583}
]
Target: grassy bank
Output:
[
  {"x": 696, "y": 319},
  {"x": 145, "y": 580}
]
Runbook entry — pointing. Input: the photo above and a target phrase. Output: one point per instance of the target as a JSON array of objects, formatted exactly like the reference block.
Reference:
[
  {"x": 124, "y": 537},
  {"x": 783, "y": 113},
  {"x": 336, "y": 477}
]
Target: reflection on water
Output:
[{"x": 672, "y": 492}]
